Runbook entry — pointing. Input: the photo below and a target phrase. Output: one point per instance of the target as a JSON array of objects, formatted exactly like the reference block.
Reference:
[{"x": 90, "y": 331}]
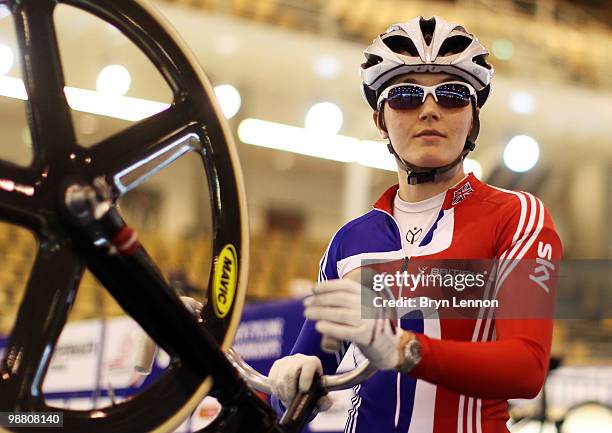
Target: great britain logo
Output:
[{"x": 462, "y": 193}]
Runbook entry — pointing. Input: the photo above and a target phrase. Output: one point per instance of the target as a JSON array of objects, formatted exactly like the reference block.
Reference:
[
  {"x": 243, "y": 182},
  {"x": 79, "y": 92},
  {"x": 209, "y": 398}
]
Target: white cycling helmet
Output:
[{"x": 425, "y": 45}]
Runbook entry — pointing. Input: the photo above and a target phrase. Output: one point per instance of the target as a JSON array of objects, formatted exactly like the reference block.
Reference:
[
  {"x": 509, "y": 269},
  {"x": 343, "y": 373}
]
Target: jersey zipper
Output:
[
  {"x": 404, "y": 269},
  {"x": 399, "y": 232}
]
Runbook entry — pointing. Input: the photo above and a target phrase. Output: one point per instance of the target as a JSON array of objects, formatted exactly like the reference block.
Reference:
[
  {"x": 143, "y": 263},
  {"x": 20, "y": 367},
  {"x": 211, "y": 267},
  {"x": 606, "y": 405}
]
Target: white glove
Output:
[
  {"x": 293, "y": 374},
  {"x": 336, "y": 307}
]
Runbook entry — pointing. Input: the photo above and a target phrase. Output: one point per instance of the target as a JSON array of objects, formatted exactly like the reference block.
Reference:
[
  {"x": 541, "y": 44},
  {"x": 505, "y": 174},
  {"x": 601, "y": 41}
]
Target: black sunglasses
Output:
[{"x": 403, "y": 96}]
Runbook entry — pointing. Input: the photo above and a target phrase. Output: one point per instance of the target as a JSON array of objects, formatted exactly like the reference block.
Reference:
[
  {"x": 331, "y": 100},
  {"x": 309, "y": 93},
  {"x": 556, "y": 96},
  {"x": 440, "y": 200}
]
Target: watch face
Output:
[
  {"x": 415, "y": 349},
  {"x": 412, "y": 351},
  {"x": 412, "y": 356}
]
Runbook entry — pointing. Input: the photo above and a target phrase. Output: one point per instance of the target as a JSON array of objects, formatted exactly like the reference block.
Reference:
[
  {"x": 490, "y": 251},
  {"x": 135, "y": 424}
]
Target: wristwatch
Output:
[{"x": 410, "y": 352}]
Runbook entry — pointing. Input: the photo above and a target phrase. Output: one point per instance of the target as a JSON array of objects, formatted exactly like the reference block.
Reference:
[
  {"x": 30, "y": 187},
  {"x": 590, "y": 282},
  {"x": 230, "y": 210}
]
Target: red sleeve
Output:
[{"x": 516, "y": 364}]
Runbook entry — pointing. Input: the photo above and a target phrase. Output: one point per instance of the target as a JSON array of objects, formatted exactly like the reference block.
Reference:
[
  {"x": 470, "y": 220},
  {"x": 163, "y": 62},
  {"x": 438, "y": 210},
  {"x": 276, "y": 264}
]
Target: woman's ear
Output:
[{"x": 381, "y": 131}]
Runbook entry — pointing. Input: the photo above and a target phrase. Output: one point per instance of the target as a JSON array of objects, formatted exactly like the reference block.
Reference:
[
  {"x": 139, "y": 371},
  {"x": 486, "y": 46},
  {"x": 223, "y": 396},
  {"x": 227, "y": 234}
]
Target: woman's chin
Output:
[
  {"x": 429, "y": 161},
  {"x": 428, "y": 156}
]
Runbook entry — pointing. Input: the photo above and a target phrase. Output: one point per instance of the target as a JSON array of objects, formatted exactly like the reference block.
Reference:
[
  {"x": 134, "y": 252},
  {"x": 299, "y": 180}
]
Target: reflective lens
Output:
[
  {"x": 410, "y": 96},
  {"x": 405, "y": 97},
  {"x": 453, "y": 95}
]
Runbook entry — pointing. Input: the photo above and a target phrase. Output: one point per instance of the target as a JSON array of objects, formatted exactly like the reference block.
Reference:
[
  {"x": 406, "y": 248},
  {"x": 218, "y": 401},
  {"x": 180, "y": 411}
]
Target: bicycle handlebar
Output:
[{"x": 332, "y": 382}]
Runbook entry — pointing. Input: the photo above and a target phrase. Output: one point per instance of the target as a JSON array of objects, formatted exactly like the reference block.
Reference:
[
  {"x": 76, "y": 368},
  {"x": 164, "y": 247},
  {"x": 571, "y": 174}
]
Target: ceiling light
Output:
[
  {"x": 6, "y": 59},
  {"x": 13, "y": 88},
  {"x": 302, "y": 141},
  {"x": 120, "y": 107},
  {"x": 227, "y": 45},
  {"x": 113, "y": 80},
  {"x": 472, "y": 166},
  {"x": 229, "y": 99},
  {"x": 298, "y": 140},
  {"x": 503, "y": 49},
  {"x": 521, "y": 153},
  {"x": 327, "y": 66},
  {"x": 375, "y": 154},
  {"x": 4, "y": 11},
  {"x": 522, "y": 102},
  {"x": 89, "y": 101},
  {"x": 324, "y": 118}
]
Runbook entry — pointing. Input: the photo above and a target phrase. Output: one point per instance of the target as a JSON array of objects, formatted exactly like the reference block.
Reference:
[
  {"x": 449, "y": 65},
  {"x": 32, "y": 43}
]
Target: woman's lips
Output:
[{"x": 430, "y": 137}]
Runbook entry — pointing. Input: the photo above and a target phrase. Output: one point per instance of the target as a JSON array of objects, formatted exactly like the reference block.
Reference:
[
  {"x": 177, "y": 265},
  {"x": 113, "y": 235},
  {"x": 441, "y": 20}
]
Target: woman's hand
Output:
[
  {"x": 336, "y": 307},
  {"x": 293, "y": 374}
]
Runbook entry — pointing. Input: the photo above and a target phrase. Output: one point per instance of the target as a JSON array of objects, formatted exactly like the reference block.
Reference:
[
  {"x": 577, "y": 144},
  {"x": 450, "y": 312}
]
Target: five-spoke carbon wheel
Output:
[{"x": 192, "y": 124}]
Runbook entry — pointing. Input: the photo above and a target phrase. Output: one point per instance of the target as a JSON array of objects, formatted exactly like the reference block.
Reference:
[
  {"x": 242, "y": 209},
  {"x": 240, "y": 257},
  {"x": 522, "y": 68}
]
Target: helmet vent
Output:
[
  {"x": 371, "y": 60},
  {"x": 454, "y": 45},
  {"x": 401, "y": 45},
  {"x": 427, "y": 28},
  {"x": 481, "y": 60}
]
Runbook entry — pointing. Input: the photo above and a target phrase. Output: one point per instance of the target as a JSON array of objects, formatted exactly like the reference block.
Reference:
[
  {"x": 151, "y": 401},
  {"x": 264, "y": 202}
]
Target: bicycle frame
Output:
[{"x": 72, "y": 212}]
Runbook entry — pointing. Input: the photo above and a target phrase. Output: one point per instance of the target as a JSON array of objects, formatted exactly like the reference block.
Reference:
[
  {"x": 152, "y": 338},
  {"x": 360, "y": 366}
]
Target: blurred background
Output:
[{"x": 286, "y": 76}]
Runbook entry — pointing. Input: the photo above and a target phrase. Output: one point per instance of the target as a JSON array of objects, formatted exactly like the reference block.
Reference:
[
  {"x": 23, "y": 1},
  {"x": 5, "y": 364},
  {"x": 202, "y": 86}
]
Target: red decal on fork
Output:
[{"x": 126, "y": 240}]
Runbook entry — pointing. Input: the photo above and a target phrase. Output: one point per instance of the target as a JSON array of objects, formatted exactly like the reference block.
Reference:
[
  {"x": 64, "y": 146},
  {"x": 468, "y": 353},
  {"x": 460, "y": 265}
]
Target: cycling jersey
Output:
[{"x": 469, "y": 368}]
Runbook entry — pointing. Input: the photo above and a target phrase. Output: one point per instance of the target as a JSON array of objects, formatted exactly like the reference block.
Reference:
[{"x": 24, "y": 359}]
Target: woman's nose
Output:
[{"x": 429, "y": 109}]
